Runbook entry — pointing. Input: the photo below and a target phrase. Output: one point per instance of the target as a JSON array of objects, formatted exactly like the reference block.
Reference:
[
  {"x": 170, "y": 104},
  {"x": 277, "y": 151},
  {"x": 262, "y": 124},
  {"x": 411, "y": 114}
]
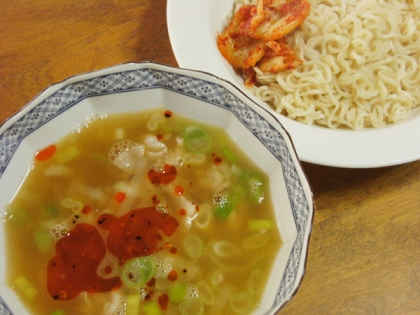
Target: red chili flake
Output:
[
  {"x": 151, "y": 282},
  {"x": 108, "y": 269},
  {"x": 165, "y": 177},
  {"x": 172, "y": 275},
  {"x": 163, "y": 301},
  {"x": 155, "y": 200},
  {"x": 179, "y": 190},
  {"x": 217, "y": 160},
  {"x": 119, "y": 197},
  {"x": 173, "y": 250},
  {"x": 86, "y": 209},
  {"x": 168, "y": 114},
  {"x": 46, "y": 153},
  {"x": 182, "y": 212},
  {"x": 159, "y": 137}
]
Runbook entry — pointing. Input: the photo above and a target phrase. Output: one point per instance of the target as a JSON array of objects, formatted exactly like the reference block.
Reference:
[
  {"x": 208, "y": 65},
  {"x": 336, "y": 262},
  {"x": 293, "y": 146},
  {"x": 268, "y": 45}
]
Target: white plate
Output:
[{"x": 193, "y": 26}]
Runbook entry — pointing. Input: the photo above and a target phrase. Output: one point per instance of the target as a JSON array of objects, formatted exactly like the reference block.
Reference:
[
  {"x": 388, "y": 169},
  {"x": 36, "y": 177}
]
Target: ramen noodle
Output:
[
  {"x": 360, "y": 65},
  {"x": 141, "y": 214}
]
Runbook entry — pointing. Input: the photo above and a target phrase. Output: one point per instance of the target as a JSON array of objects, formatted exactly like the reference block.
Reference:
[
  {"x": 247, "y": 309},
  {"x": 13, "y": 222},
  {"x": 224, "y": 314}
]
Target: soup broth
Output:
[{"x": 149, "y": 213}]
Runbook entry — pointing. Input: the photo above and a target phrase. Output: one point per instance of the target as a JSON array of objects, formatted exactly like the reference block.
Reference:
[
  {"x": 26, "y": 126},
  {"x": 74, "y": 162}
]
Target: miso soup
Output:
[{"x": 150, "y": 213}]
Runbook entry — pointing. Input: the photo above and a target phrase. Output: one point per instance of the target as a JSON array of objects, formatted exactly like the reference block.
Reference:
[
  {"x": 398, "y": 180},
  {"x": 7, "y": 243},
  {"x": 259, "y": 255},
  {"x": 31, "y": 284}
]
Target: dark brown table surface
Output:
[{"x": 364, "y": 255}]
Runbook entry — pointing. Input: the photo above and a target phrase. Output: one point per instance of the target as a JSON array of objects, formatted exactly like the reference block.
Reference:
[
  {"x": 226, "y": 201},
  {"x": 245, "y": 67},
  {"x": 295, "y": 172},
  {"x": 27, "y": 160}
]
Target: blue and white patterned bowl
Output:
[{"x": 132, "y": 87}]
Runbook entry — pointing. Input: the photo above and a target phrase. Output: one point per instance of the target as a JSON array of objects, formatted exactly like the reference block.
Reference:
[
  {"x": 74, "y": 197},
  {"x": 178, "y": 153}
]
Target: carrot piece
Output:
[{"x": 46, "y": 153}]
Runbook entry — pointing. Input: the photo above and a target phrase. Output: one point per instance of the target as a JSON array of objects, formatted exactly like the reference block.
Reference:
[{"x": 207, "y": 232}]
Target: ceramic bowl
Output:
[{"x": 134, "y": 87}]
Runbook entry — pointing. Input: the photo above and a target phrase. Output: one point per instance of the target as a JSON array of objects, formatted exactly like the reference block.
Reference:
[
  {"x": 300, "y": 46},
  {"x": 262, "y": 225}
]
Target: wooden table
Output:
[{"x": 364, "y": 255}]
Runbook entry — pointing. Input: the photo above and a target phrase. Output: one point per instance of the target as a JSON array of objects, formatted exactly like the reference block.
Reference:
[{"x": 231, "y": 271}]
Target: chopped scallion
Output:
[
  {"x": 152, "y": 309},
  {"x": 229, "y": 202},
  {"x": 229, "y": 154},
  {"x": 256, "y": 281},
  {"x": 260, "y": 224},
  {"x": 242, "y": 303},
  {"x": 43, "y": 241},
  {"x": 191, "y": 307},
  {"x": 26, "y": 287},
  {"x": 197, "y": 140},
  {"x": 255, "y": 186},
  {"x": 138, "y": 271},
  {"x": 178, "y": 293},
  {"x": 19, "y": 217},
  {"x": 205, "y": 294},
  {"x": 132, "y": 304},
  {"x": 51, "y": 210},
  {"x": 193, "y": 245},
  {"x": 255, "y": 241},
  {"x": 67, "y": 154}
]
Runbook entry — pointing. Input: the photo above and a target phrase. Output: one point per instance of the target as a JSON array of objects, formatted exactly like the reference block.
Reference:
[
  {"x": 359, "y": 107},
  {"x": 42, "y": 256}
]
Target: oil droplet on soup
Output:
[
  {"x": 148, "y": 213},
  {"x": 73, "y": 269},
  {"x": 165, "y": 176},
  {"x": 136, "y": 233}
]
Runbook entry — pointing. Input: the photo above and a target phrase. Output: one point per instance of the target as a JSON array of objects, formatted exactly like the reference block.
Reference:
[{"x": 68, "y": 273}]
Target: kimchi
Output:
[{"x": 256, "y": 34}]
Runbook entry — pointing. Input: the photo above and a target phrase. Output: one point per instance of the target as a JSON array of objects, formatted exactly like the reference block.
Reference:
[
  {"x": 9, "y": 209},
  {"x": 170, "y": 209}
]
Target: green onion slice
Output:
[{"x": 138, "y": 271}]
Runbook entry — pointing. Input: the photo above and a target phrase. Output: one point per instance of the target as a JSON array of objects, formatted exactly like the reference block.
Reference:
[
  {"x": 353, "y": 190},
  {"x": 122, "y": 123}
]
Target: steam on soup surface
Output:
[{"x": 149, "y": 213}]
